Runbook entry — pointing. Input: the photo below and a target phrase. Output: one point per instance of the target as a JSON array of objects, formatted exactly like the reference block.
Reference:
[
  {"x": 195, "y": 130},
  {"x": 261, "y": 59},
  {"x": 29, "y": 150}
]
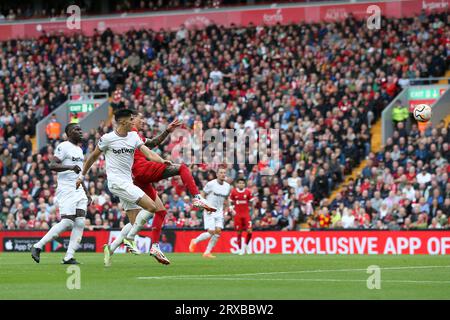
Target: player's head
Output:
[
  {"x": 124, "y": 118},
  {"x": 74, "y": 132},
  {"x": 241, "y": 183},
  {"x": 138, "y": 120},
  {"x": 221, "y": 174}
]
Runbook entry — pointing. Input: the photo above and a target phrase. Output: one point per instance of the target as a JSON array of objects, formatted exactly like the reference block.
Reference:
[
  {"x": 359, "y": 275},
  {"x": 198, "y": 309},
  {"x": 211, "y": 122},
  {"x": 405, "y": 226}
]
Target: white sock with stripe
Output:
[
  {"x": 118, "y": 241},
  {"x": 201, "y": 237}
]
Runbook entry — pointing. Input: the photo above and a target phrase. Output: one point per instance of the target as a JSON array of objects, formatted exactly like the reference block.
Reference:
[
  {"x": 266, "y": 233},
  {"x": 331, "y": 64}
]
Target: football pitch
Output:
[{"x": 262, "y": 277}]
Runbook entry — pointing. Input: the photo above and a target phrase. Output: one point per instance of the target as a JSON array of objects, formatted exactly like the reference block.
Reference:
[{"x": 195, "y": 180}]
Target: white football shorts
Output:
[
  {"x": 69, "y": 199},
  {"x": 128, "y": 193},
  {"x": 213, "y": 220}
]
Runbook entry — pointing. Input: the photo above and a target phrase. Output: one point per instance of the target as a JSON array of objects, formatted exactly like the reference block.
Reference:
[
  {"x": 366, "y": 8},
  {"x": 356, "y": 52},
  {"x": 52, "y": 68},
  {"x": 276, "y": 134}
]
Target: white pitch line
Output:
[
  {"x": 313, "y": 280},
  {"x": 288, "y": 272}
]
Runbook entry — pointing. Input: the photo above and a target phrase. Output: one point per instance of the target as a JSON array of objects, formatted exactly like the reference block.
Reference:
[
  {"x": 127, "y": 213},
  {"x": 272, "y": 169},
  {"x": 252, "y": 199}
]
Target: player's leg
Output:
[
  {"x": 157, "y": 224},
  {"x": 144, "y": 202},
  {"x": 208, "y": 221},
  {"x": 238, "y": 228},
  {"x": 130, "y": 196},
  {"x": 66, "y": 207},
  {"x": 53, "y": 233},
  {"x": 130, "y": 239},
  {"x": 142, "y": 214},
  {"x": 75, "y": 237},
  {"x": 239, "y": 241},
  {"x": 108, "y": 250},
  {"x": 188, "y": 180},
  {"x": 246, "y": 246},
  {"x": 212, "y": 242}
]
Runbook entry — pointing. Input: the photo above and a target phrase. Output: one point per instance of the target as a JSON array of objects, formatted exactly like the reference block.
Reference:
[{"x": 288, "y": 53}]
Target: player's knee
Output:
[
  {"x": 79, "y": 223},
  {"x": 218, "y": 232},
  {"x": 211, "y": 232}
]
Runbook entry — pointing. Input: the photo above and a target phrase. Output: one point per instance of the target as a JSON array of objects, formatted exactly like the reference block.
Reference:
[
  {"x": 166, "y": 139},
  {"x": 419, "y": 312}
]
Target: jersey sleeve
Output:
[
  {"x": 60, "y": 152},
  {"x": 232, "y": 196},
  {"x": 208, "y": 187},
  {"x": 103, "y": 143},
  {"x": 137, "y": 140}
]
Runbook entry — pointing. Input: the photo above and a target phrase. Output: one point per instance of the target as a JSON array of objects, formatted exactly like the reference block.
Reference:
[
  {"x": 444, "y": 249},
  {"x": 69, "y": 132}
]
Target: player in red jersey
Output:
[
  {"x": 241, "y": 197},
  {"x": 145, "y": 173}
]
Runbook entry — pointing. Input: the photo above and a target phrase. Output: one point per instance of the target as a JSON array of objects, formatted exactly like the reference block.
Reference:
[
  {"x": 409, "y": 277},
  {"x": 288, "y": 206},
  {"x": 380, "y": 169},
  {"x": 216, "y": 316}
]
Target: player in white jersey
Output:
[
  {"x": 119, "y": 147},
  {"x": 72, "y": 203},
  {"x": 217, "y": 191}
]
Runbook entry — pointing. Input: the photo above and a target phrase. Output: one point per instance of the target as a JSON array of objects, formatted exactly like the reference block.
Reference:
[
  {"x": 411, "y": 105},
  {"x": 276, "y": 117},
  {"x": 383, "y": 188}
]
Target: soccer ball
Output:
[{"x": 422, "y": 112}]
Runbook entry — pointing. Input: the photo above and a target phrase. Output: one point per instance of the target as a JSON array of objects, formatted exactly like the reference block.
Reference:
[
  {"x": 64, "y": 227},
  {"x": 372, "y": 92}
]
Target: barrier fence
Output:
[{"x": 432, "y": 242}]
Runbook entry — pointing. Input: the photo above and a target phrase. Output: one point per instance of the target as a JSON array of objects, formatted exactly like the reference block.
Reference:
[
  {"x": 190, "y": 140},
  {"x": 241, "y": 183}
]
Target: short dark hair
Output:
[
  {"x": 123, "y": 113},
  {"x": 241, "y": 179},
  {"x": 69, "y": 127}
]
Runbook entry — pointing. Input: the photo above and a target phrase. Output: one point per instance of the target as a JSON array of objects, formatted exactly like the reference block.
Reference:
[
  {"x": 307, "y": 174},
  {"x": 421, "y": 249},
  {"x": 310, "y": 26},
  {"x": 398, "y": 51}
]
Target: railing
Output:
[
  {"x": 425, "y": 81},
  {"x": 88, "y": 96}
]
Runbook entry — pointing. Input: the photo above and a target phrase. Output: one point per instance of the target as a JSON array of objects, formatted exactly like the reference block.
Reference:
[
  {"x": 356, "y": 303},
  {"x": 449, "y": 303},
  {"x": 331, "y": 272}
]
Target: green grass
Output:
[{"x": 226, "y": 277}]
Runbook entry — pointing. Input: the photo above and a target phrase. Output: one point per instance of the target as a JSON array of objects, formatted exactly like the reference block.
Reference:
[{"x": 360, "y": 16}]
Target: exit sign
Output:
[
  {"x": 82, "y": 107},
  {"x": 425, "y": 93}
]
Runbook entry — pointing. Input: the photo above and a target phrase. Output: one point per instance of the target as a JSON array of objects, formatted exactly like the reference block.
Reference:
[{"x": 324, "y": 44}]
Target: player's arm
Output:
[
  {"x": 88, "y": 164},
  {"x": 206, "y": 190},
  {"x": 87, "y": 194},
  {"x": 156, "y": 141},
  {"x": 56, "y": 165},
  {"x": 152, "y": 156}
]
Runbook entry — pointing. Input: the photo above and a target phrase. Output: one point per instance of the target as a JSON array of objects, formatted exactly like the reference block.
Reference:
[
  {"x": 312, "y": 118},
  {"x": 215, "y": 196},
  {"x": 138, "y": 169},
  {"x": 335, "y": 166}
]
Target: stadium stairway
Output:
[{"x": 375, "y": 143}]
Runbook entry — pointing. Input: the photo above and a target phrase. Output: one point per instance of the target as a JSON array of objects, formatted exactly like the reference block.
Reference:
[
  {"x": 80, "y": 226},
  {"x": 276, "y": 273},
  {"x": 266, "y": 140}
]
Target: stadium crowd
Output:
[
  {"x": 405, "y": 186},
  {"x": 322, "y": 85}
]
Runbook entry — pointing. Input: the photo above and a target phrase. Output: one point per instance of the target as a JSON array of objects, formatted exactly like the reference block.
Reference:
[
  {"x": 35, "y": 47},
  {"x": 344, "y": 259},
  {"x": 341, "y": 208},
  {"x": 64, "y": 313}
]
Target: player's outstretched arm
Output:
[
  {"x": 88, "y": 164},
  {"x": 151, "y": 155},
  {"x": 156, "y": 141},
  {"x": 56, "y": 165}
]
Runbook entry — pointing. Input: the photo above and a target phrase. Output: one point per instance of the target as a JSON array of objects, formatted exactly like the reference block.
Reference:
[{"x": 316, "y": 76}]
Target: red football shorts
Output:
[
  {"x": 242, "y": 223},
  {"x": 149, "y": 190},
  {"x": 146, "y": 173}
]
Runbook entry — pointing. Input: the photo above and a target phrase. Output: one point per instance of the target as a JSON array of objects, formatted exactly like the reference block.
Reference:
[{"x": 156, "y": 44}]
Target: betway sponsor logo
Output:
[
  {"x": 431, "y": 5},
  {"x": 123, "y": 150},
  {"x": 273, "y": 18}
]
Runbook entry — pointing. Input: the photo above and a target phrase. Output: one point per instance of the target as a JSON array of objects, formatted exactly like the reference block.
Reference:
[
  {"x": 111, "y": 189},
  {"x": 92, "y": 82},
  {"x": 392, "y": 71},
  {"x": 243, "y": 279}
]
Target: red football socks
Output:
[
  {"x": 157, "y": 224},
  {"x": 188, "y": 180}
]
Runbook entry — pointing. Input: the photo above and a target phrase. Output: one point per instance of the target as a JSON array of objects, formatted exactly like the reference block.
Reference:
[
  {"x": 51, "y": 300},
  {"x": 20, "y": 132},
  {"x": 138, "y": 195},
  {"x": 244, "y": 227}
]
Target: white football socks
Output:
[
  {"x": 212, "y": 242},
  {"x": 118, "y": 241},
  {"x": 141, "y": 219},
  {"x": 75, "y": 238},
  {"x": 53, "y": 233},
  {"x": 201, "y": 237}
]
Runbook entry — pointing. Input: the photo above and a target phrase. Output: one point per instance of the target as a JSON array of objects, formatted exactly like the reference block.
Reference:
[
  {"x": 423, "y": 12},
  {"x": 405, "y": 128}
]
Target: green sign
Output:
[
  {"x": 424, "y": 93},
  {"x": 81, "y": 107}
]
